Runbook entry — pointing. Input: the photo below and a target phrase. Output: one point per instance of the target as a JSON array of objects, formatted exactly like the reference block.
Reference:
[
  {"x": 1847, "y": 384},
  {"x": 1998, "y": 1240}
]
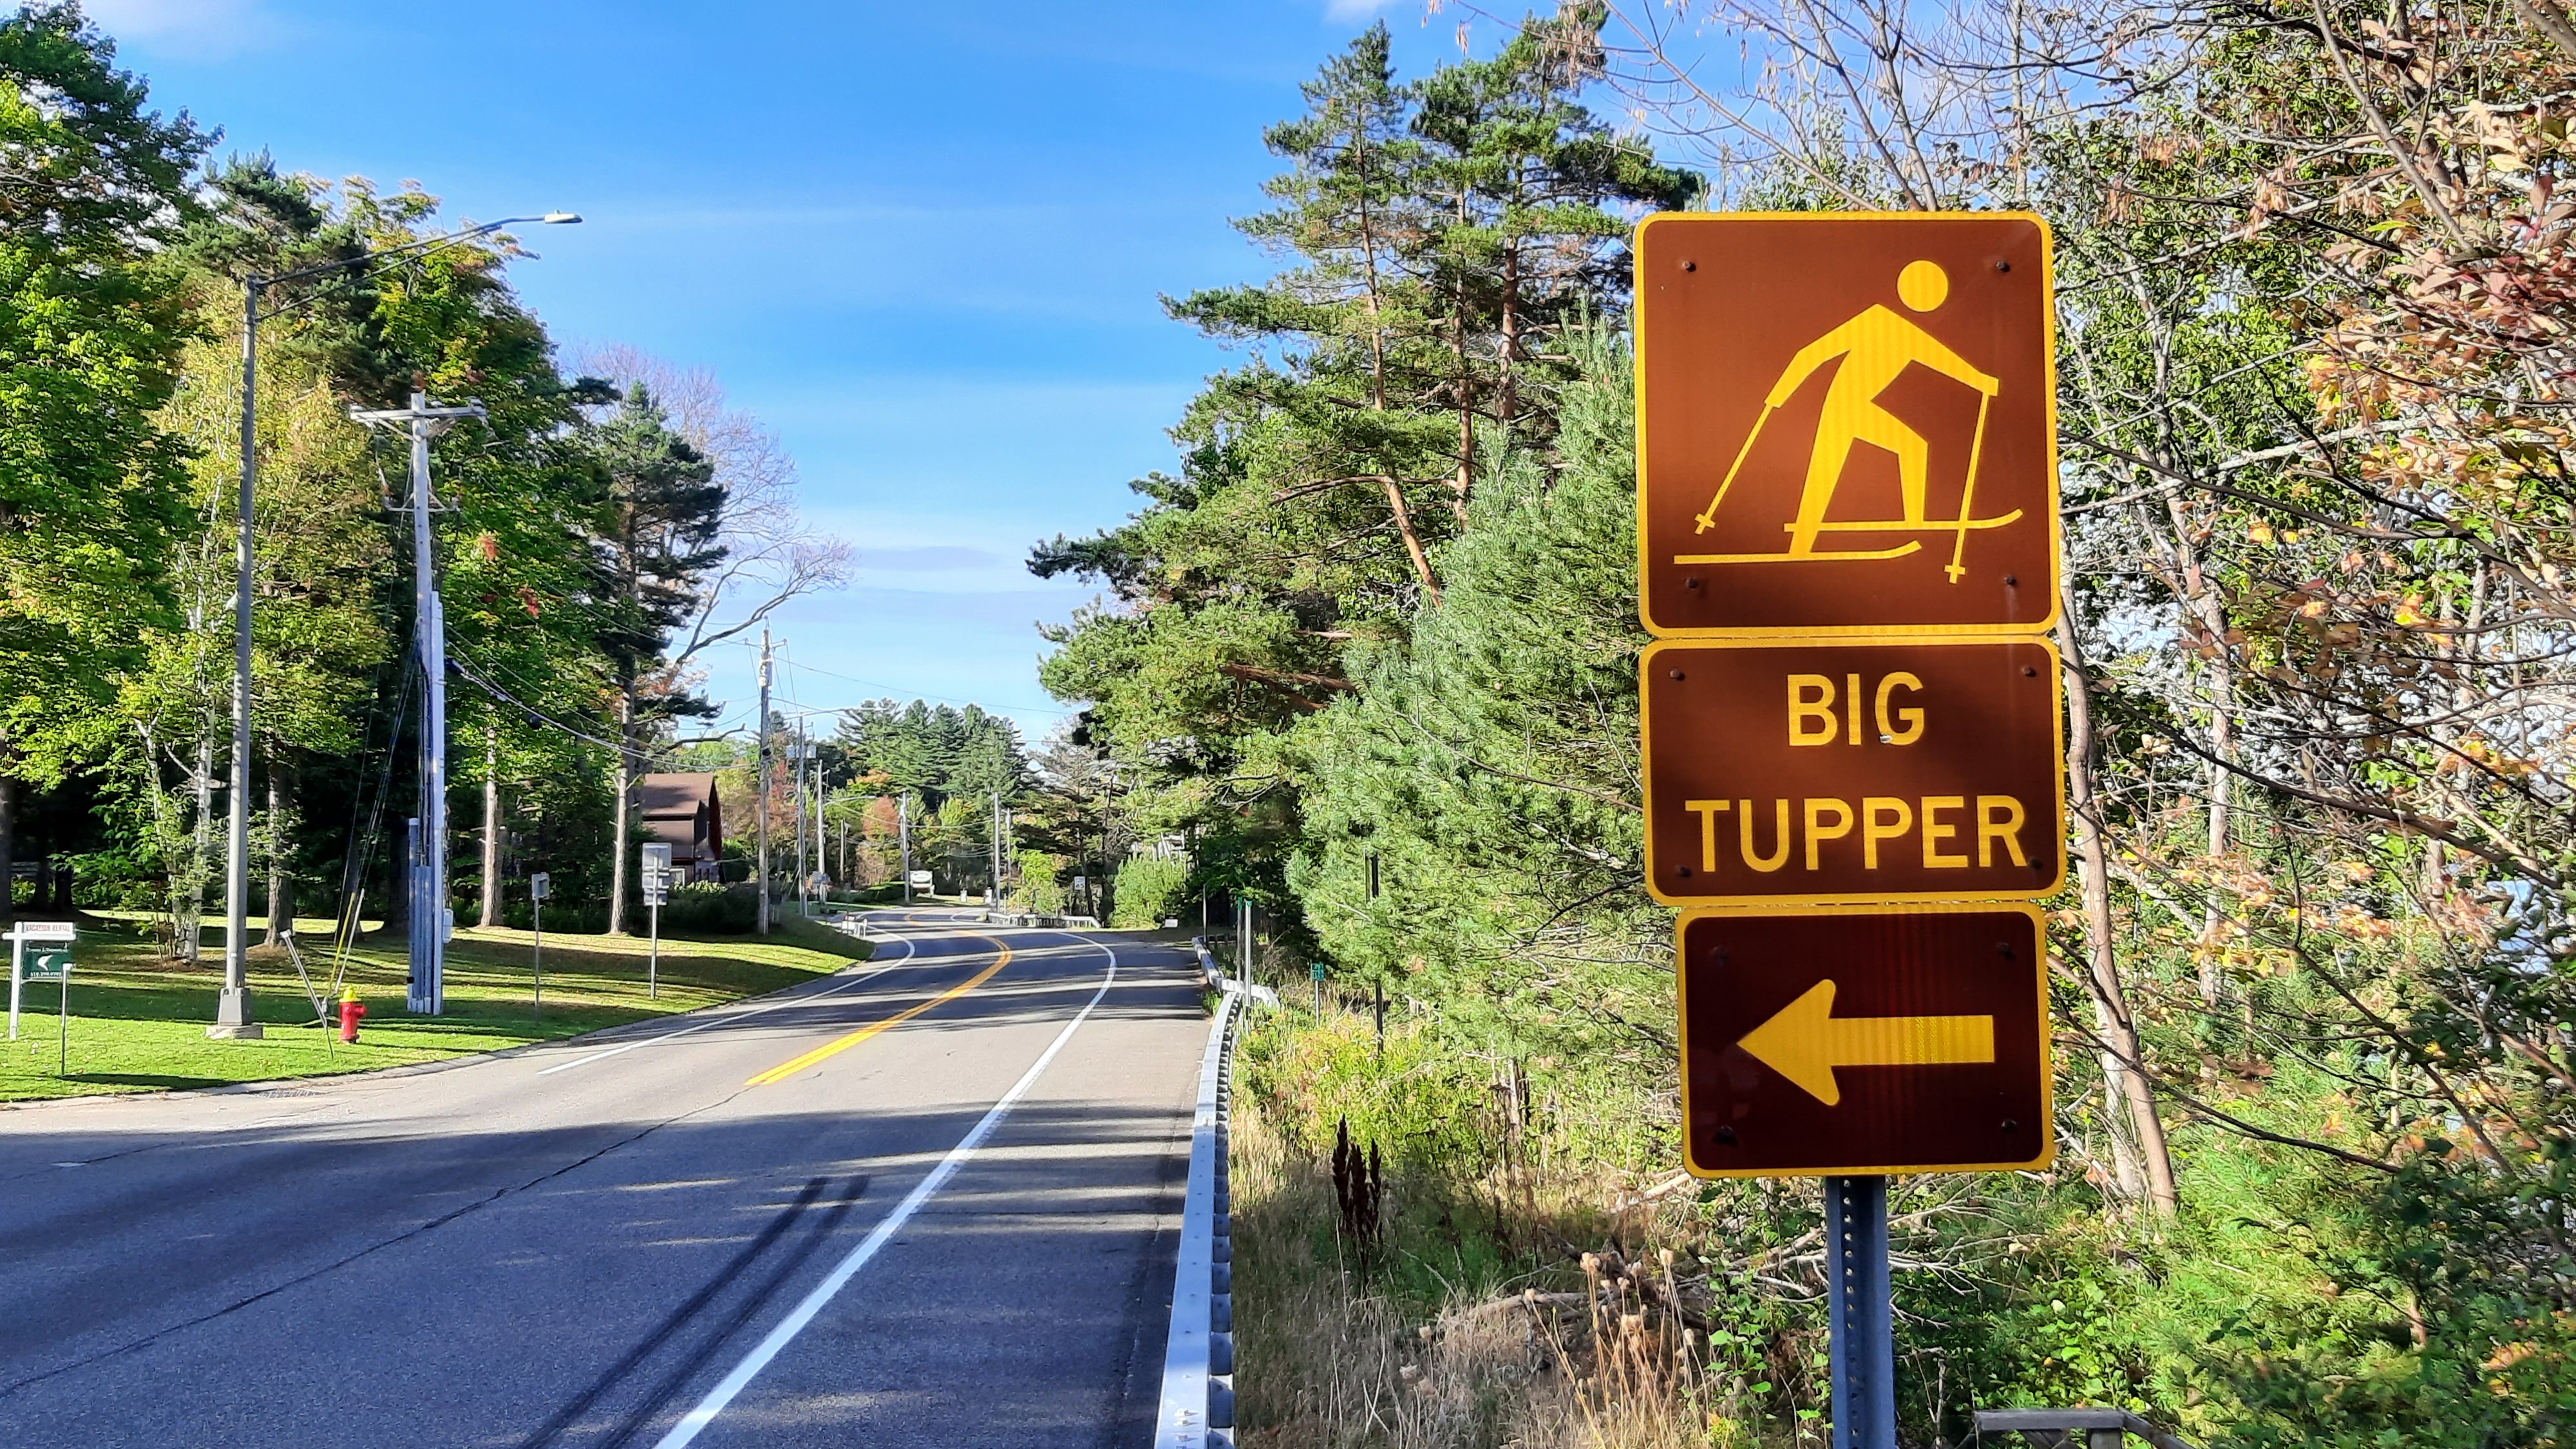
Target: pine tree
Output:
[{"x": 665, "y": 512}]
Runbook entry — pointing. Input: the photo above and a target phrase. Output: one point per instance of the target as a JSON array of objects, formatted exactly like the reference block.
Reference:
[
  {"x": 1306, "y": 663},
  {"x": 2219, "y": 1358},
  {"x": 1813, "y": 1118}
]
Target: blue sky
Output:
[{"x": 923, "y": 243}]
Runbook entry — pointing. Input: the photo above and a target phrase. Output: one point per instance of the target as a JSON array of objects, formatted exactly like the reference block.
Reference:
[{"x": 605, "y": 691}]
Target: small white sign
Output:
[
  {"x": 43, "y": 931},
  {"x": 921, "y": 879},
  {"x": 537, "y": 886}
]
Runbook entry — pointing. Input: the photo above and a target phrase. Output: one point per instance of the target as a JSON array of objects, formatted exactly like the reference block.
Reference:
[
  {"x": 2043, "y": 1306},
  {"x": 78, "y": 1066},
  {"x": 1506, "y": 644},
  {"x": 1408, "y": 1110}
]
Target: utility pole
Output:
[
  {"x": 760, "y": 824},
  {"x": 796, "y": 761},
  {"x": 903, "y": 835},
  {"x": 491, "y": 826},
  {"x": 996, "y": 897},
  {"x": 429, "y": 910},
  {"x": 233, "y": 1015}
]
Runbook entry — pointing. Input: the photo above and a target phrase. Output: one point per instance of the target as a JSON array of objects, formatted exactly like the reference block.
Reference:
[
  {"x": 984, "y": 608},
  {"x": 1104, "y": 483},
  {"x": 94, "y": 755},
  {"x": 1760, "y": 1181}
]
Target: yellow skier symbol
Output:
[{"x": 1874, "y": 348}]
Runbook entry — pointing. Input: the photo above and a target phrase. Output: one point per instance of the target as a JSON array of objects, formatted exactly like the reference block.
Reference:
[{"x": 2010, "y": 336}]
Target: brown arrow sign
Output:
[{"x": 1852, "y": 1040}]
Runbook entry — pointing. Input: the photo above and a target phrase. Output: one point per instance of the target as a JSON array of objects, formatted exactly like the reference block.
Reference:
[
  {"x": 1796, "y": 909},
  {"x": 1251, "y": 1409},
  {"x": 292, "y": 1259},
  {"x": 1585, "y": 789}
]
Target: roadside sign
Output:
[
  {"x": 1852, "y": 771},
  {"x": 1851, "y": 1040},
  {"x": 44, "y": 931},
  {"x": 1847, "y": 422},
  {"x": 657, "y": 863},
  {"x": 48, "y": 966},
  {"x": 537, "y": 884}
]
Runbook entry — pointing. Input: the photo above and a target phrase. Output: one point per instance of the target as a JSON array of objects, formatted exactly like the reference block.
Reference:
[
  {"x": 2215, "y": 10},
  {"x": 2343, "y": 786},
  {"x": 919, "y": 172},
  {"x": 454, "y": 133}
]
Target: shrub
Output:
[
  {"x": 704, "y": 908},
  {"x": 1041, "y": 887},
  {"x": 1148, "y": 890}
]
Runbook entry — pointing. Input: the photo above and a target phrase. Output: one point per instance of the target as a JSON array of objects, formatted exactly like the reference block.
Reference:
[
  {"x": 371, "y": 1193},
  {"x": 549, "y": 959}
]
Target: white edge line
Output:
[
  {"x": 794, "y": 1323},
  {"x": 910, "y": 952}
]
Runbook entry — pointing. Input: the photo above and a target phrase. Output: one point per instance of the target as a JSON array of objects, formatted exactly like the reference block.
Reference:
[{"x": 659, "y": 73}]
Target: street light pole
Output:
[
  {"x": 233, "y": 1011},
  {"x": 234, "y": 1016}
]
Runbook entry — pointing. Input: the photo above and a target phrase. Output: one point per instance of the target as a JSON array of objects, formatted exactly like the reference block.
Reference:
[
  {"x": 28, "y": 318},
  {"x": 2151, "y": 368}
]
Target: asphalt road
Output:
[{"x": 923, "y": 1202}]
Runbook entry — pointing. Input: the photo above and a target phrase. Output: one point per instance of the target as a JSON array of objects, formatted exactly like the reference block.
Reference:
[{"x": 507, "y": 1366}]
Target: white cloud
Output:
[{"x": 202, "y": 28}]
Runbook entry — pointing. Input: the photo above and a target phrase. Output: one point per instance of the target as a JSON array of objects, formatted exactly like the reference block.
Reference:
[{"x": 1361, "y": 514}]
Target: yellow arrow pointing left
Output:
[{"x": 1805, "y": 1042}]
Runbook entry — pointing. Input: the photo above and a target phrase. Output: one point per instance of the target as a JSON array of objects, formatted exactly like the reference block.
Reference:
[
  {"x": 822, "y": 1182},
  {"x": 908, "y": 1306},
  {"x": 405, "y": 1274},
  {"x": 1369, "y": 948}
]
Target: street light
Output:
[{"x": 233, "y": 1015}]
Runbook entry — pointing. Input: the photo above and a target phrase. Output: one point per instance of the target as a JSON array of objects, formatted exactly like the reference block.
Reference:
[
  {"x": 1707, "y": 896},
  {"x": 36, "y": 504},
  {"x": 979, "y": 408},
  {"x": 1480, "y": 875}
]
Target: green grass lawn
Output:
[{"x": 138, "y": 1022}]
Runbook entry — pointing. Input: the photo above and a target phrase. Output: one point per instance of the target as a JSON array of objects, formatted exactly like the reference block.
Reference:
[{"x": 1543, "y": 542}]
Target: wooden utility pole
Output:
[
  {"x": 760, "y": 824},
  {"x": 491, "y": 825}
]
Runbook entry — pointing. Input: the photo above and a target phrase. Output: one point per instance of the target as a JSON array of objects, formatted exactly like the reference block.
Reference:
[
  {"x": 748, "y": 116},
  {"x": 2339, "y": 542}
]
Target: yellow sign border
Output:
[
  {"x": 2047, "y": 1056},
  {"x": 2048, "y": 358},
  {"x": 1646, "y": 772}
]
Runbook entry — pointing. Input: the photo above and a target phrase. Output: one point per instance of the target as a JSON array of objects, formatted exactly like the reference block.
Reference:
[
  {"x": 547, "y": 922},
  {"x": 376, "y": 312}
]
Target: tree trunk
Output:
[
  {"x": 8, "y": 847},
  {"x": 1508, "y": 401},
  {"x": 1466, "y": 481},
  {"x": 491, "y": 827},
  {"x": 2212, "y": 618},
  {"x": 192, "y": 942},
  {"x": 281, "y": 881},
  {"x": 2149, "y": 1164},
  {"x": 625, "y": 813}
]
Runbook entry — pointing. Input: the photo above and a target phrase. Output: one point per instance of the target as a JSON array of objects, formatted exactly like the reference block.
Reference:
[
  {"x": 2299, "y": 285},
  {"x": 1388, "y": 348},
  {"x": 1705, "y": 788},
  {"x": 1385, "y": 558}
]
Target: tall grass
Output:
[{"x": 1520, "y": 1293}]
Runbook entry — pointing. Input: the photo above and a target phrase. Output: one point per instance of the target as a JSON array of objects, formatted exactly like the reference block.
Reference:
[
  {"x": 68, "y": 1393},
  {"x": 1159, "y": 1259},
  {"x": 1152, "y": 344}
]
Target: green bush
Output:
[
  {"x": 704, "y": 908},
  {"x": 1148, "y": 891},
  {"x": 1041, "y": 887}
]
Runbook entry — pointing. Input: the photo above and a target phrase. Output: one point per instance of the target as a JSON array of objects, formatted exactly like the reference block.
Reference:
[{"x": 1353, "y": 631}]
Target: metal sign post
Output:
[
  {"x": 537, "y": 885},
  {"x": 1860, "y": 1313},
  {"x": 656, "y": 883},
  {"x": 1848, "y": 546}
]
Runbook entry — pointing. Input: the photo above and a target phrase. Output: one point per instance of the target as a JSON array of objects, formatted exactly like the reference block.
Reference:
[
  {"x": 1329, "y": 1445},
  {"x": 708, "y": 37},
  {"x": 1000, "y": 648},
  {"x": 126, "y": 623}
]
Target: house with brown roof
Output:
[{"x": 684, "y": 813}]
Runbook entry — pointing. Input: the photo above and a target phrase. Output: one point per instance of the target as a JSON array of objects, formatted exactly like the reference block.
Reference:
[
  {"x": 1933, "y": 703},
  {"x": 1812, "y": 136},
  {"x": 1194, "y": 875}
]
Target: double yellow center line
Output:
[{"x": 838, "y": 1045}]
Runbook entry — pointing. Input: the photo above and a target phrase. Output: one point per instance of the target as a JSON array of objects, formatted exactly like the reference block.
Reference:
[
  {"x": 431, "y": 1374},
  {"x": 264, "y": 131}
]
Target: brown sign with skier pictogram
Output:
[{"x": 1847, "y": 423}]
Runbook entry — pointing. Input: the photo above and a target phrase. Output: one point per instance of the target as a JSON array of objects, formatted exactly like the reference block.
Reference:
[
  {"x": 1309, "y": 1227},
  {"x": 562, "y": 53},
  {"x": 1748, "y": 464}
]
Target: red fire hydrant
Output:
[{"x": 351, "y": 1009}]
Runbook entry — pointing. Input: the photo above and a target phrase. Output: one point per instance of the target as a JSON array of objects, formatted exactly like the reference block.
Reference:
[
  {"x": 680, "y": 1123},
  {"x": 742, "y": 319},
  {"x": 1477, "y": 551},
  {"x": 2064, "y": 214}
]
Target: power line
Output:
[{"x": 942, "y": 698}]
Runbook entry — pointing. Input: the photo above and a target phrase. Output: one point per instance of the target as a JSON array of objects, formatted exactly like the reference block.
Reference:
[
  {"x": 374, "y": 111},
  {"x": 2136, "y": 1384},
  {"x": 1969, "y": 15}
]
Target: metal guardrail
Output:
[
  {"x": 1051, "y": 923},
  {"x": 1198, "y": 1357},
  {"x": 1212, "y": 973}
]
